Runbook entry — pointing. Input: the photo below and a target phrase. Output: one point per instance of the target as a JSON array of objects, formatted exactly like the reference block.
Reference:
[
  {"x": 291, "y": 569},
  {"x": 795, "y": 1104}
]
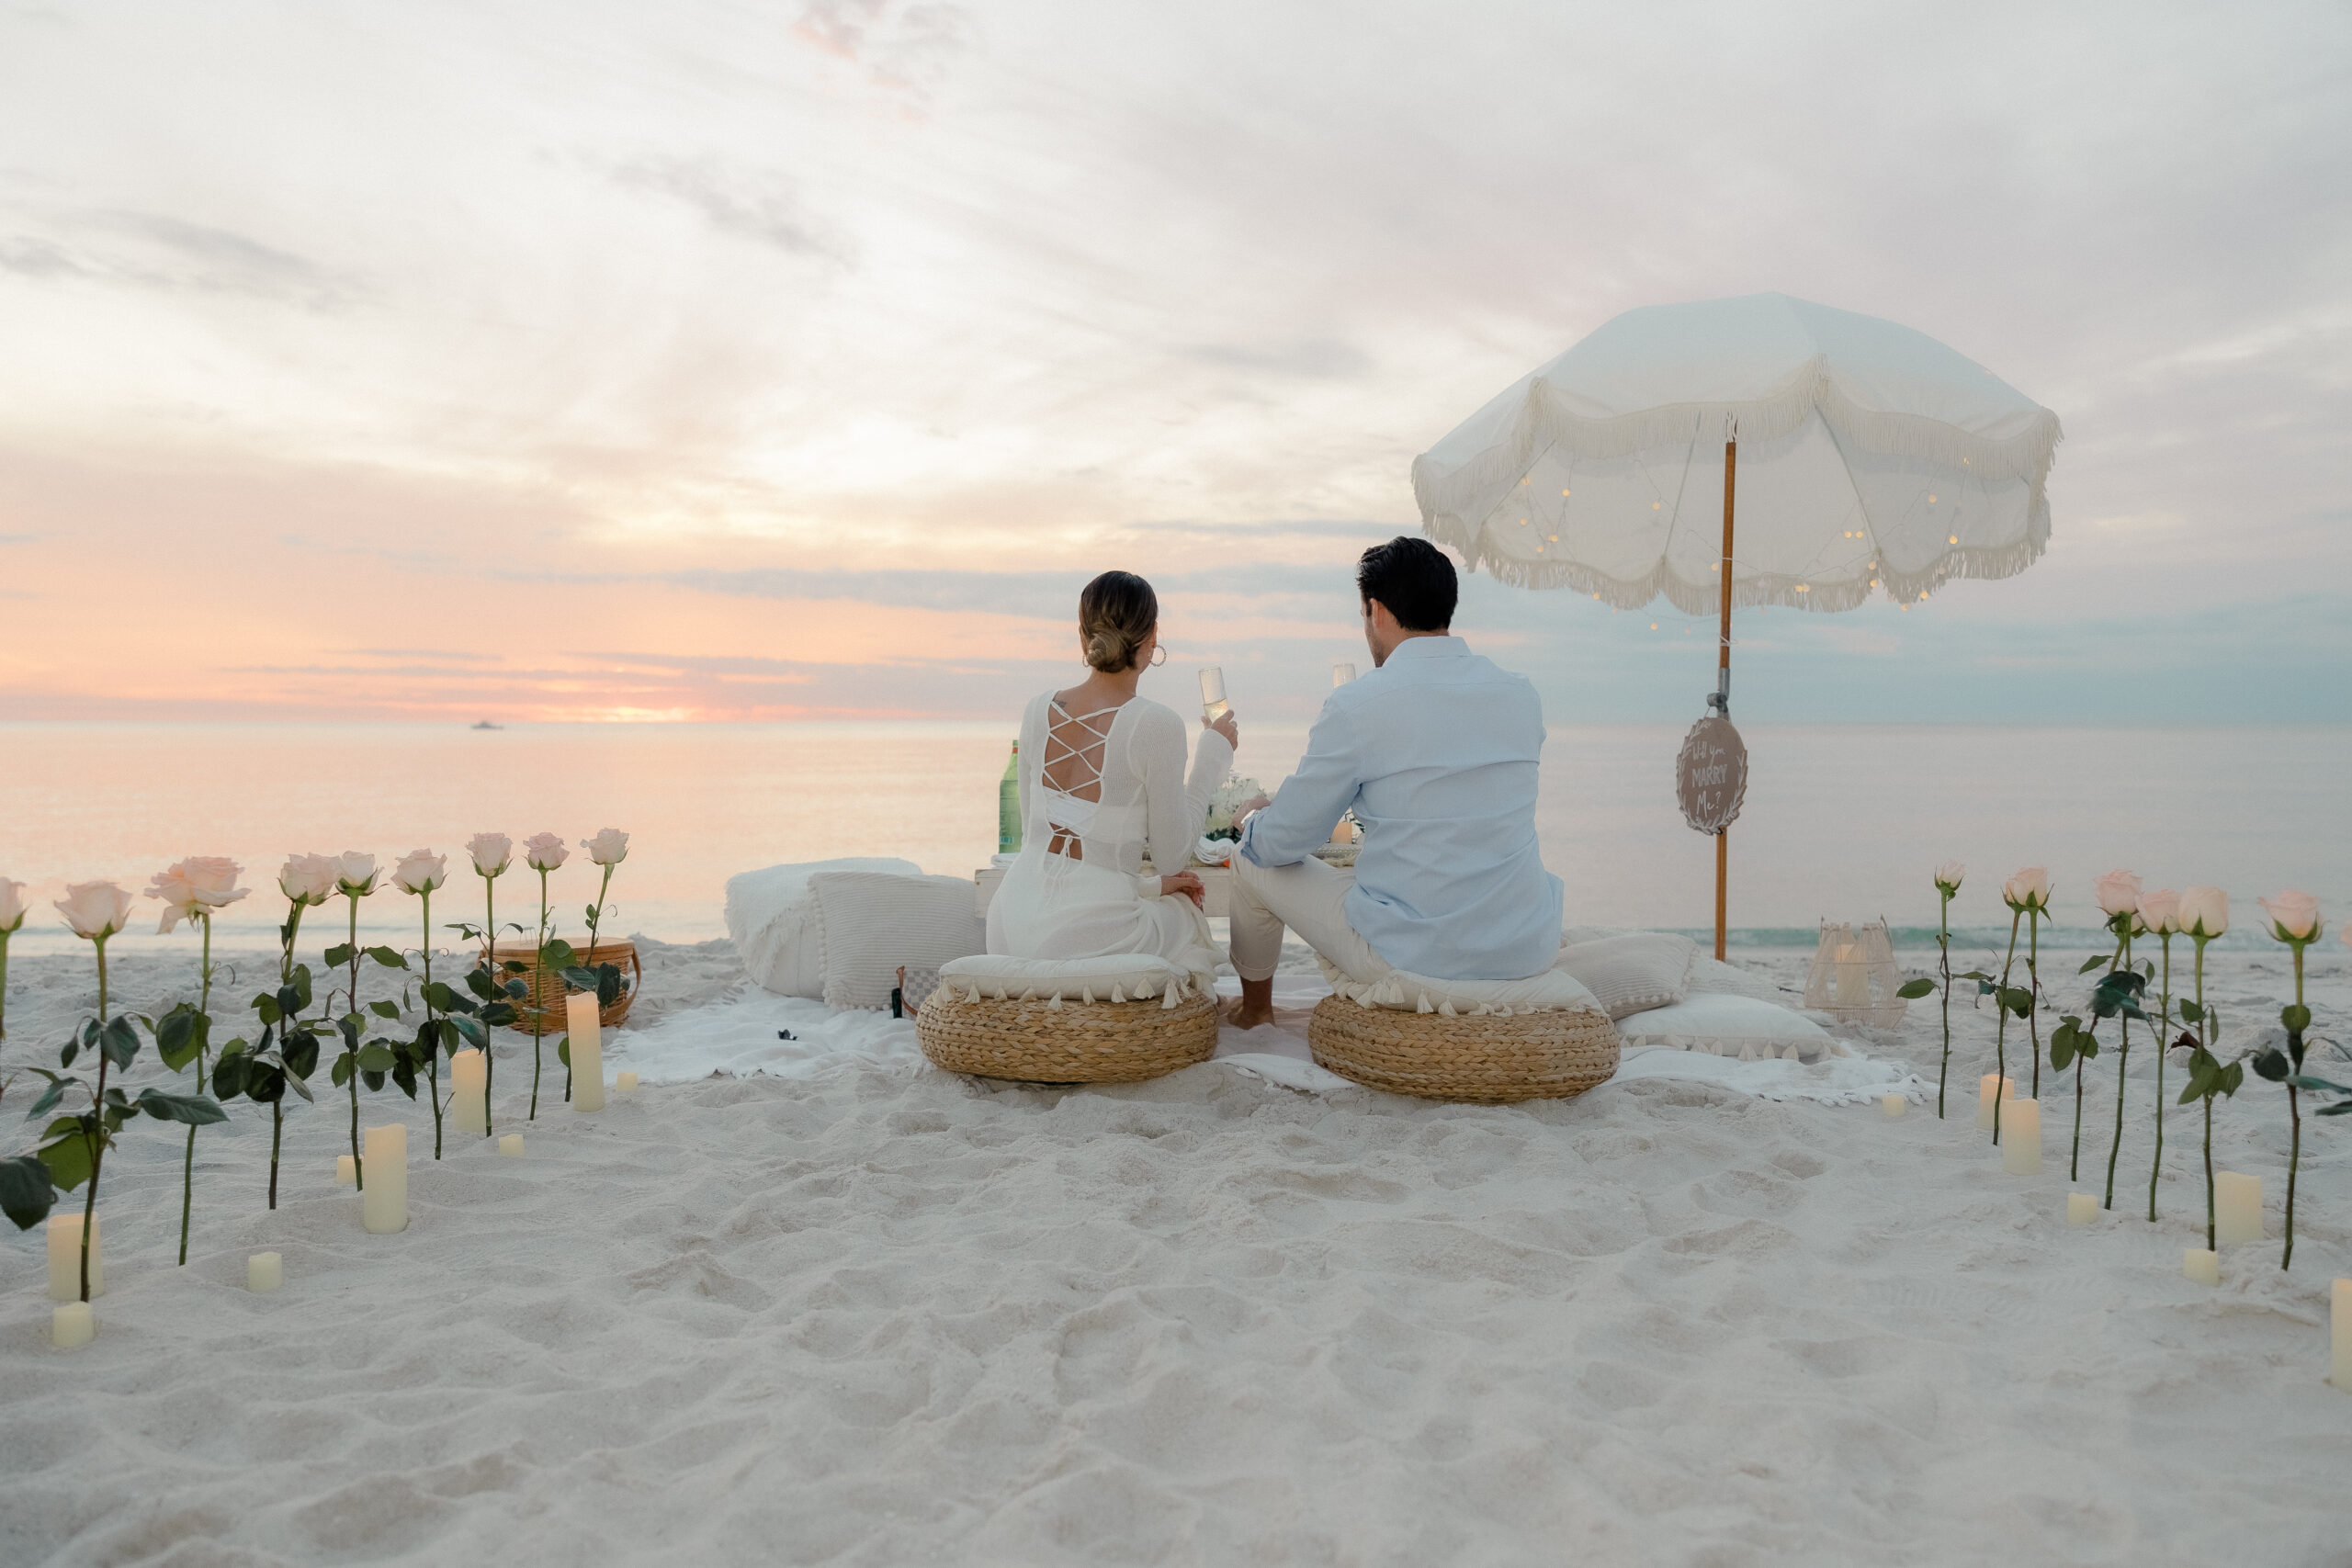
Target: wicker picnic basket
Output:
[
  {"x": 546, "y": 995},
  {"x": 1035, "y": 1042},
  {"x": 1489, "y": 1057}
]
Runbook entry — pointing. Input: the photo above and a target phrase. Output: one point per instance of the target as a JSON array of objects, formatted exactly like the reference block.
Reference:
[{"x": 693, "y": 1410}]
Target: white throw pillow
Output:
[
  {"x": 1630, "y": 973},
  {"x": 1722, "y": 1025},
  {"x": 875, "y": 921},
  {"x": 1555, "y": 991},
  {"x": 1711, "y": 976},
  {"x": 1112, "y": 977},
  {"x": 771, "y": 915}
]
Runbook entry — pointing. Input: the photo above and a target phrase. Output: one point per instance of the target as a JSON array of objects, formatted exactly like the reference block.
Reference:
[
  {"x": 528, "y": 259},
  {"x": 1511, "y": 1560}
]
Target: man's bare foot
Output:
[{"x": 1256, "y": 1006}]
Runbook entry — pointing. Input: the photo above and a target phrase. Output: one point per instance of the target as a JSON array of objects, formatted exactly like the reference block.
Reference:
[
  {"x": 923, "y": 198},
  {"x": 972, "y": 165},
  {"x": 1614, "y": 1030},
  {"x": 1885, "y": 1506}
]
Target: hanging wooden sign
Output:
[{"x": 1711, "y": 775}]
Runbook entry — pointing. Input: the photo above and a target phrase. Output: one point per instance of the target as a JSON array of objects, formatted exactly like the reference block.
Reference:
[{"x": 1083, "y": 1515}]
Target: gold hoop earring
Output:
[{"x": 1158, "y": 657}]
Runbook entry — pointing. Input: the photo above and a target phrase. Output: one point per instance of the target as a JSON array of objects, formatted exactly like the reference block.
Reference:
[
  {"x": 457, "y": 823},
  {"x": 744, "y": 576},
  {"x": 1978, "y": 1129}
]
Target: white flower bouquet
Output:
[{"x": 1225, "y": 802}]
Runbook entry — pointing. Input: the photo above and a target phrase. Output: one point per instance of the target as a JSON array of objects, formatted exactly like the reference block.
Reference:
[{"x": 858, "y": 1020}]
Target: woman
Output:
[{"x": 1103, "y": 782}]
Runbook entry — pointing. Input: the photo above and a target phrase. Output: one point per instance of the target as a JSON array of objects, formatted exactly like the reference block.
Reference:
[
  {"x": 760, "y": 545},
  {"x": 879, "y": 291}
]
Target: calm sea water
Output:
[{"x": 1840, "y": 822}]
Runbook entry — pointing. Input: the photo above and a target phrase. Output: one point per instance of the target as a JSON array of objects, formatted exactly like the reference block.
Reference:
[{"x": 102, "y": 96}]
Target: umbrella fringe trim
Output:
[
  {"x": 1541, "y": 424},
  {"x": 1979, "y": 563}
]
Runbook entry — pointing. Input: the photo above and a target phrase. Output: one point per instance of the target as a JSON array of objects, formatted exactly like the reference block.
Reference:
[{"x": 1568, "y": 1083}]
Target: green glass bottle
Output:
[{"x": 1008, "y": 807}]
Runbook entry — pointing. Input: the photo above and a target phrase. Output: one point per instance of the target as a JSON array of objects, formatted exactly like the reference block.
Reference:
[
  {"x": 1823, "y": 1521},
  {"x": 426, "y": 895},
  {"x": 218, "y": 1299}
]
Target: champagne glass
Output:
[
  {"x": 1342, "y": 671},
  {"x": 1213, "y": 704}
]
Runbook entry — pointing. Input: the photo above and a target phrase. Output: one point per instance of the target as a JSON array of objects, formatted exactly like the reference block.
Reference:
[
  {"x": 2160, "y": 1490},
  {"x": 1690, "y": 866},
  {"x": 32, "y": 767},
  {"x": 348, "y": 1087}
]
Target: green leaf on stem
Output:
[
  {"x": 557, "y": 954},
  {"x": 181, "y": 1036},
  {"x": 389, "y": 957},
  {"x": 563, "y": 1051},
  {"x": 194, "y": 1110},
  {"x": 27, "y": 1193},
  {"x": 404, "y": 1078},
  {"x": 120, "y": 1040},
  {"x": 2296, "y": 1017},
  {"x": 340, "y": 1074},
  {"x": 68, "y": 1158},
  {"x": 2191, "y": 1013},
  {"x": 2272, "y": 1064},
  {"x": 300, "y": 1052},
  {"x": 338, "y": 955},
  {"x": 375, "y": 1058},
  {"x": 384, "y": 1008},
  {"x": 375, "y": 1081},
  {"x": 230, "y": 1072},
  {"x": 2093, "y": 962}
]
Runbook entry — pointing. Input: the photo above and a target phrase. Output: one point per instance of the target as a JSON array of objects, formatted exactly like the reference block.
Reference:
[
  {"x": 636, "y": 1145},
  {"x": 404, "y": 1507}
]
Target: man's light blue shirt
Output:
[{"x": 1436, "y": 749}]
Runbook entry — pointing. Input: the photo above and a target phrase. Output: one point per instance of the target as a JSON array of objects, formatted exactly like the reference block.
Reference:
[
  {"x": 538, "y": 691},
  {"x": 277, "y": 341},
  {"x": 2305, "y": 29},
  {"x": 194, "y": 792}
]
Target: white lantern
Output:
[{"x": 1854, "y": 978}]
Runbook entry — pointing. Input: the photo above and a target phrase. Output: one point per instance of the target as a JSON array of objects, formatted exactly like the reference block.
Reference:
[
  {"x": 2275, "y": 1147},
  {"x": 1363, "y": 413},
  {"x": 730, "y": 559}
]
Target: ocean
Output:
[{"x": 1840, "y": 822}]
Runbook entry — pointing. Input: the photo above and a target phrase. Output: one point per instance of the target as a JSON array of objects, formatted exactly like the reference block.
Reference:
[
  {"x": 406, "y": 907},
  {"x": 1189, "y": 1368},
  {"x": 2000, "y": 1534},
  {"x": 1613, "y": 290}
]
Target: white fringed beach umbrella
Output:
[{"x": 1858, "y": 455}]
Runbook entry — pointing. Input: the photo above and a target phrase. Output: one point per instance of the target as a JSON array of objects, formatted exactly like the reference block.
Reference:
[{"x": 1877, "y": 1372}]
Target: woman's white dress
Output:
[{"x": 1094, "y": 900}]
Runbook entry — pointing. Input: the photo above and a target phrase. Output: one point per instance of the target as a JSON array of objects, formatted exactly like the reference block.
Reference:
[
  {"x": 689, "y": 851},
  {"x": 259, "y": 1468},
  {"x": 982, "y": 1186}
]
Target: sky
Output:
[{"x": 734, "y": 361}]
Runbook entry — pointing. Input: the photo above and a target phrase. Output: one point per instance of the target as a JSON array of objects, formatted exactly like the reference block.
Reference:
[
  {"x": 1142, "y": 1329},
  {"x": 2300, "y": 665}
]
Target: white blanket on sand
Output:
[{"x": 755, "y": 1031}]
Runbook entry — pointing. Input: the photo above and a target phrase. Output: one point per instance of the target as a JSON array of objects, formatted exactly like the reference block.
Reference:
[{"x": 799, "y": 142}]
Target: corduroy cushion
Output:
[
  {"x": 1633, "y": 973},
  {"x": 875, "y": 921},
  {"x": 1122, "y": 976},
  {"x": 771, "y": 915},
  {"x": 1721, "y": 1025}
]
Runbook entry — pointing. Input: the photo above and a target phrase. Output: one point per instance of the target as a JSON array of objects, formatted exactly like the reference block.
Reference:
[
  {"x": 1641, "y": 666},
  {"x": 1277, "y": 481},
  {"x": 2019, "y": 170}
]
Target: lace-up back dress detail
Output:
[{"x": 1099, "y": 790}]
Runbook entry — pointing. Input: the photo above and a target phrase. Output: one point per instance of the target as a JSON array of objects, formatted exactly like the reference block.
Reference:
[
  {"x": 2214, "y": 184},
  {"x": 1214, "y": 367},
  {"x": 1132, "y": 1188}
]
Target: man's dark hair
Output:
[{"x": 1414, "y": 579}]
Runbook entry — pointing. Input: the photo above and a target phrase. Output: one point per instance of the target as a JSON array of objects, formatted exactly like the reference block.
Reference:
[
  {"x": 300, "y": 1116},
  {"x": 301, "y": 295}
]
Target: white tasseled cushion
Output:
[
  {"x": 1633, "y": 973},
  {"x": 875, "y": 921},
  {"x": 1552, "y": 991},
  {"x": 1741, "y": 1027},
  {"x": 1113, "y": 978}
]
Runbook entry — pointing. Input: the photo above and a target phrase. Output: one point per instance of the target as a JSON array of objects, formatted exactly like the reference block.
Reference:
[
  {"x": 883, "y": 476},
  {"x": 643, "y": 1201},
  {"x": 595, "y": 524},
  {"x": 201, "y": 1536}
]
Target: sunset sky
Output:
[{"x": 743, "y": 361}]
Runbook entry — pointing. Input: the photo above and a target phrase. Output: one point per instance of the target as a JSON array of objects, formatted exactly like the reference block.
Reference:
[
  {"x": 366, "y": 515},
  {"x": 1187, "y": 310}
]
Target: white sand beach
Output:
[{"x": 845, "y": 1308}]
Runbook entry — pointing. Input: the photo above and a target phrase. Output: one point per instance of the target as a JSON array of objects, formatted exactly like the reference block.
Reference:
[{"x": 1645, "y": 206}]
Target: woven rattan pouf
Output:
[
  {"x": 1529, "y": 1055},
  {"x": 1032, "y": 1041}
]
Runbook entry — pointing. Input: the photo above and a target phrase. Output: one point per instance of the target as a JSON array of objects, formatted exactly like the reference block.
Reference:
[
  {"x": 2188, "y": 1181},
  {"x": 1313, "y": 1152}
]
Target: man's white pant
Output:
[{"x": 1311, "y": 899}]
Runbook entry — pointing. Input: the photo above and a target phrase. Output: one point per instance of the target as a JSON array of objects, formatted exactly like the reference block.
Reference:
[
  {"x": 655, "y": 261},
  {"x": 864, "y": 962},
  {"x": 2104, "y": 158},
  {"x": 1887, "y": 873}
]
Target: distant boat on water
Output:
[{"x": 485, "y": 724}]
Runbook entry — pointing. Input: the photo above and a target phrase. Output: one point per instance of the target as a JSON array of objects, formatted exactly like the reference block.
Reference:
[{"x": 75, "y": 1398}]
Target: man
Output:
[{"x": 1436, "y": 749}]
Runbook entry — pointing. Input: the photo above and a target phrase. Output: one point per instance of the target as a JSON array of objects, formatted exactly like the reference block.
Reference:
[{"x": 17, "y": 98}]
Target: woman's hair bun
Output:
[{"x": 1116, "y": 613}]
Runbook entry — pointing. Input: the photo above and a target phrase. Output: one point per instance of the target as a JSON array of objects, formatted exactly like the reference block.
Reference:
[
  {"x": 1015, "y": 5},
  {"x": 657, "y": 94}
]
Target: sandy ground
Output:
[{"x": 857, "y": 1311}]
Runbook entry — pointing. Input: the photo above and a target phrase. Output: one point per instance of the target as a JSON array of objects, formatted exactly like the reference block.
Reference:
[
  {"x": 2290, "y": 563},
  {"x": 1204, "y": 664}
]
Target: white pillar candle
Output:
[
  {"x": 1892, "y": 1104},
  {"x": 1853, "y": 979},
  {"x": 72, "y": 1325},
  {"x": 2237, "y": 1207},
  {"x": 66, "y": 1258},
  {"x": 2339, "y": 1335},
  {"x": 587, "y": 1051},
  {"x": 2201, "y": 1266},
  {"x": 2021, "y": 1137},
  {"x": 1984, "y": 1099},
  {"x": 1343, "y": 672},
  {"x": 512, "y": 1143},
  {"x": 1213, "y": 703},
  {"x": 346, "y": 1171},
  {"x": 265, "y": 1272},
  {"x": 383, "y": 1203},
  {"x": 2081, "y": 1208},
  {"x": 469, "y": 1077},
  {"x": 624, "y": 1082}
]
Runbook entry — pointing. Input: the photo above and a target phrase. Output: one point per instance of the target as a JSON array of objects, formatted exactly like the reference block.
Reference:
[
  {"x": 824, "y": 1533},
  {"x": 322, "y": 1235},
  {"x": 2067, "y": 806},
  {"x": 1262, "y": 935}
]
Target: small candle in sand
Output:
[
  {"x": 2201, "y": 1265},
  {"x": 346, "y": 1171},
  {"x": 1213, "y": 704},
  {"x": 383, "y": 1203},
  {"x": 1892, "y": 1104},
  {"x": 2339, "y": 1334},
  {"x": 624, "y": 1082},
  {"x": 2021, "y": 1137},
  {"x": 265, "y": 1272},
  {"x": 65, "y": 1258},
  {"x": 1984, "y": 1099},
  {"x": 2081, "y": 1208},
  {"x": 512, "y": 1143},
  {"x": 587, "y": 1051},
  {"x": 72, "y": 1325},
  {"x": 469, "y": 1078},
  {"x": 2237, "y": 1207}
]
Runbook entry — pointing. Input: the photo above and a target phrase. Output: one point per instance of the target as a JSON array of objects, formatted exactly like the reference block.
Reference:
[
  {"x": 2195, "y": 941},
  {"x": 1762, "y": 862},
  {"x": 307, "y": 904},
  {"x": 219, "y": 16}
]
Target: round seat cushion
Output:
[
  {"x": 1476, "y": 1056},
  {"x": 1058, "y": 1041}
]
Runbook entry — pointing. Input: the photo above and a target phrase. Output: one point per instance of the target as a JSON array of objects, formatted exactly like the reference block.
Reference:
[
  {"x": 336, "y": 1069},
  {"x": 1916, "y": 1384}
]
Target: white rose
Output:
[
  {"x": 355, "y": 874},
  {"x": 492, "y": 852},
  {"x": 2160, "y": 911},
  {"x": 2294, "y": 917},
  {"x": 2119, "y": 893},
  {"x": 607, "y": 848},
  {"x": 95, "y": 909},
  {"x": 2028, "y": 889},
  {"x": 197, "y": 885},
  {"x": 307, "y": 879},
  {"x": 12, "y": 906},
  {"x": 2204, "y": 911},
  {"x": 421, "y": 871},
  {"x": 544, "y": 851},
  {"x": 1949, "y": 875}
]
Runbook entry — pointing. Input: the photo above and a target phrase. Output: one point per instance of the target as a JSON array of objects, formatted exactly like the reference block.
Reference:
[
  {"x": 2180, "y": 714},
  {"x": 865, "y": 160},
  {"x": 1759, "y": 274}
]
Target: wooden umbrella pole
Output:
[{"x": 1723, "y": 687}]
